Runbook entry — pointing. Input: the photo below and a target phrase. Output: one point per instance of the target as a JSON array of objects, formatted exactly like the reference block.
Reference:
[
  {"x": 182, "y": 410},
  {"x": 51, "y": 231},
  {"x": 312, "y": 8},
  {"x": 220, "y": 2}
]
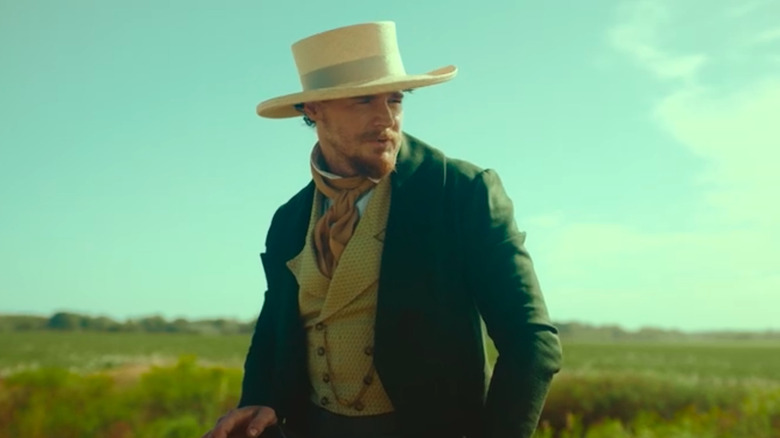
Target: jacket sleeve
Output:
[
  {"x": 501, "y": 276},
  {"x": 256, "y": 387}
]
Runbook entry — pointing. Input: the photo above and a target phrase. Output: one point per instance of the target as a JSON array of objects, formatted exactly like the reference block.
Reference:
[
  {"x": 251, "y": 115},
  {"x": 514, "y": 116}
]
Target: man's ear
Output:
[{"x": 311, "y": 109}]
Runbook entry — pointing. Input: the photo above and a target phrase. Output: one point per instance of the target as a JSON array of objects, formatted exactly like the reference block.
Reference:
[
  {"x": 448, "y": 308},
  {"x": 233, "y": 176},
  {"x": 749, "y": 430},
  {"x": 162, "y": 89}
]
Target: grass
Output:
[
  {"x": 96, "y": 351},
  {"x": 606, "y": 390},
  {"x": 727, "y": 360},
  {"x": 177, "y": 401}
]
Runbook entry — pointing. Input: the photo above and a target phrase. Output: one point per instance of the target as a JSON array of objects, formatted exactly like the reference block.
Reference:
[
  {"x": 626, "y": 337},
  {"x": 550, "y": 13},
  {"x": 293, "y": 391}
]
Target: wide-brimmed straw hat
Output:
[{"x": 350, "y": 61}]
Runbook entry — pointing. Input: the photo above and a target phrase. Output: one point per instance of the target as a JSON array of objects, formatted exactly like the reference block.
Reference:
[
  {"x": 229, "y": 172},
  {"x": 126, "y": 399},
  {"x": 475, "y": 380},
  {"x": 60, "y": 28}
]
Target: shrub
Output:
[{"x": 178, "y": 401}]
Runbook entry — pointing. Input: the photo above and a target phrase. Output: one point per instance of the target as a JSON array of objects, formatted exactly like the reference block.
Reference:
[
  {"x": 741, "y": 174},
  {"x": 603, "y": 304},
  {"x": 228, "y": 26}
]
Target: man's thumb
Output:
[{"x": 264, "y": 418}]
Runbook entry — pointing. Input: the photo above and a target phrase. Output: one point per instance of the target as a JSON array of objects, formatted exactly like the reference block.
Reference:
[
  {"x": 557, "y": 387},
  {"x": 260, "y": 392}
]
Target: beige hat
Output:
[{"x": 350, "y": 61}]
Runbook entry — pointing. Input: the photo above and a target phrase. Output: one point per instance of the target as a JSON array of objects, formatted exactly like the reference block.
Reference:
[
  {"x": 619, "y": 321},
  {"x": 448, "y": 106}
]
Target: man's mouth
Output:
[{"x": 380, "y": 137}]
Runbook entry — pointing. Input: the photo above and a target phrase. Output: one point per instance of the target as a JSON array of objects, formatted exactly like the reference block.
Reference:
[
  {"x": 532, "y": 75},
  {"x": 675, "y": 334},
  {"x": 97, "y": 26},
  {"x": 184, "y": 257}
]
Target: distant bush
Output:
[
  {"x": 185, "y": 399},
  {"x": 21, "y": 323},
  {"x": 203, "y": 394},
  {"x": 54, "y": 402},
  {"x": 179, "y": 401},
  {"x": 642, "y": 405},
  {"x": 569, "y": 331},
  {"x": 67, "y": 321},
  {"x": 598, "y": 396}
]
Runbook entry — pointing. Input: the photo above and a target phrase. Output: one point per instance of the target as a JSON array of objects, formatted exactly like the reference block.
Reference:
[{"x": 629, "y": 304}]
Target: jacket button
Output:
[
  {"x": 359, "y": 406},
  {"x": 369, "y": 350},
  {"x": 321, "y": 351},
  {"x": 324, "y": 401},
  {"x": 326, "y": 377},
  {"x": 319, "y": 326},
  {"x": 367, "y": 380}
]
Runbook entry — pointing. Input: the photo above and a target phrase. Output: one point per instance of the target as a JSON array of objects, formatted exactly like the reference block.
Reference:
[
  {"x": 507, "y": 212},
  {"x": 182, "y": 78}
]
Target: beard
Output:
[
  {"x": 356, "y": 153},
  {"x": 374, "y": 169},
  {"x": 377, "y": 167}
]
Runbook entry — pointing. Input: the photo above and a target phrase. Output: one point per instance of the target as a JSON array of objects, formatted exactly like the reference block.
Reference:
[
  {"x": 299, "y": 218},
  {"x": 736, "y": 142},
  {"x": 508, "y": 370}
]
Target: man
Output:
[{"x": 382, "y": 270}]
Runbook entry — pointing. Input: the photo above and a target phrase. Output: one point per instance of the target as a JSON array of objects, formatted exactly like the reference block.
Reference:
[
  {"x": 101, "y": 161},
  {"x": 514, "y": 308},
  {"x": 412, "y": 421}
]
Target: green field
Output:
[
  {"x": 126, "y": 385},
  {"x": 94, "y": 351},
  {"x": 729, "y": 360}
]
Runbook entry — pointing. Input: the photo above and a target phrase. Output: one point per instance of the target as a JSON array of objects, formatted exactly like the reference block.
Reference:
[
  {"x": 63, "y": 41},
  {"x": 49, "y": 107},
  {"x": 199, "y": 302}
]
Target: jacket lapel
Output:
[
  {"x": 358, "y": 268},
  {"x": 407, "y": 239},
  {"x": 417, "y": 193},
  {"x": 417, "y": 190},
  {"x": 312, "y": 285}
]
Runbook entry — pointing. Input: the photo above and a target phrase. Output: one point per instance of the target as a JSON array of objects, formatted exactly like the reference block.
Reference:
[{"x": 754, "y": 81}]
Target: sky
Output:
[{"x": 638, "y": 141}]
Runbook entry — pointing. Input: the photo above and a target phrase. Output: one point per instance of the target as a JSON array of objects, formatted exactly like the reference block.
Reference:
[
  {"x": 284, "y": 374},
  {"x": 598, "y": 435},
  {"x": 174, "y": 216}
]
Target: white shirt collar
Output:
[{"x": 316, "y": 156}]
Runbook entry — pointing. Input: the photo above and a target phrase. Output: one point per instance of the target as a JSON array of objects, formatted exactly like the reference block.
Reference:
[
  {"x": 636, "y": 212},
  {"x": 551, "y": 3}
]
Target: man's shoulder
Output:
[
  {"x": 455, "y": 168},
  {"x": 462, "y": 168},
  {"x": 289, "y": 215},
  {"x": 301, "y": 198}
]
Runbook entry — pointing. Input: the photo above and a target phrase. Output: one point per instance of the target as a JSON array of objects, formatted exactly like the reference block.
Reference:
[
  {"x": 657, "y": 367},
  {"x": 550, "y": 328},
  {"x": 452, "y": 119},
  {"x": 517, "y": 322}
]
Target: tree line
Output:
[
  {"x": 67, "y": 321},
  {"x": 584, "y": 332}
]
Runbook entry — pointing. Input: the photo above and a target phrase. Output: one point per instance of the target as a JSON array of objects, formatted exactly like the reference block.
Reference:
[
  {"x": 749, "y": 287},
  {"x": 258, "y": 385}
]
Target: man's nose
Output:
[{"x": 385, "y": 116}]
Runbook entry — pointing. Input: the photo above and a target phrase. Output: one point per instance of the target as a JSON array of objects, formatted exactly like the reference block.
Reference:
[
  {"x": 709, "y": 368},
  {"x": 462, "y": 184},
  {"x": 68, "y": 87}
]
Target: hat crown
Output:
[
  {"x": 356, "y": 60},
  {"x": 351, "y": 54}
]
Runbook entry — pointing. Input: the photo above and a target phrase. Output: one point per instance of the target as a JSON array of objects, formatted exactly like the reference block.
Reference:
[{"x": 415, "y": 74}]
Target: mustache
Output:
[{"x": 373, "y": 135}]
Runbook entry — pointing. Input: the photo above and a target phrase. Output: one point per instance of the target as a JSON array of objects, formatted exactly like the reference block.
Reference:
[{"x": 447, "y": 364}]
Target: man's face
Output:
[{"x": 359, "y": 135}]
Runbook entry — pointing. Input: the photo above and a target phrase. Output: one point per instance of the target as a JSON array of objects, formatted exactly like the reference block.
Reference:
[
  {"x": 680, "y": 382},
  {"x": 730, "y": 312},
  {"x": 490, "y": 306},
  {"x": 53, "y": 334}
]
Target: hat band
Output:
[{"x": 359, "y": 70}]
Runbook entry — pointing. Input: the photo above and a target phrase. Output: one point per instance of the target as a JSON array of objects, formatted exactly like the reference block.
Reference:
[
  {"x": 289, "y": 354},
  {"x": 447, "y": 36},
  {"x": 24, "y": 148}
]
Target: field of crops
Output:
[
  {"x": 95, "y": 351},
  {"x": 123, "y": 385}
]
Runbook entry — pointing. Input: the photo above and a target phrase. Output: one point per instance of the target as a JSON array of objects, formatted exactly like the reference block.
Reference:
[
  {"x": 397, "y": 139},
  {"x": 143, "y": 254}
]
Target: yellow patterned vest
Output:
[{"x": 339, "y": 313}]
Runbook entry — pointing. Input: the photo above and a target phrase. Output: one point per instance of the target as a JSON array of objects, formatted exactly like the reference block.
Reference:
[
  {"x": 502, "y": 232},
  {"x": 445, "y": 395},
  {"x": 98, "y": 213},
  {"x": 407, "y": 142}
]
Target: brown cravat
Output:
[{"x": 334, "y": 229}]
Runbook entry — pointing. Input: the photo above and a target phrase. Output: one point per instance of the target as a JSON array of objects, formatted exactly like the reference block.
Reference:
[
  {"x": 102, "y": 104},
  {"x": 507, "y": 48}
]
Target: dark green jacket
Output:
[{"x": 452, "y": 257}]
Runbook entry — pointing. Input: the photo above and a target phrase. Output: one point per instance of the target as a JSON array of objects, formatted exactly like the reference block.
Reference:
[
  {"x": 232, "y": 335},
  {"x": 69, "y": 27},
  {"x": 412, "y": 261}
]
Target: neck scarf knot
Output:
[{"x": 334, "y": 228}]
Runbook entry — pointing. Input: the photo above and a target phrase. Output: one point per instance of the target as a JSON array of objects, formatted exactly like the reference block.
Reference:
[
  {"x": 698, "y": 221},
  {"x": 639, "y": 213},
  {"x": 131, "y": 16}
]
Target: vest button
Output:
[
  {"x": 321, "y": 351},
  {"x": 368, "y": 380},
  {"x": 319, "y": 326},
  {"x": 369, "y": 350},
  {"x": 326, "y": 377},
  {"x": 359, "y": 406},
  {"x": 324, "y": 401}
]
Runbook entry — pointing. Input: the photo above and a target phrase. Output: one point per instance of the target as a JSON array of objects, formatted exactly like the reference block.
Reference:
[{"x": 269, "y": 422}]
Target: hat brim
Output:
[{"x": 284, "y": 106}]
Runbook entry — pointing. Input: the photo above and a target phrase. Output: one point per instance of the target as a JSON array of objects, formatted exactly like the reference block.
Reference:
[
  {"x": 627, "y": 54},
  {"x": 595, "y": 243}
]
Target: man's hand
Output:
[{"x": 249, "y": 421}]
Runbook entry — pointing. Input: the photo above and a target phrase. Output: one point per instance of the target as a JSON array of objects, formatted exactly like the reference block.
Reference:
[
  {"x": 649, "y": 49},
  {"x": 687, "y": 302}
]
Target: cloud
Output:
[
  {"x": 722, "y": 274},
  {"x": 638, "y": 34},
  {"x": 617, "y": 273},
  {"x": 739, "y": 138},
  {"x": 733, "y": 129},
  {"x": 545, "y": 220},
  {"x": 766, "y": 37},
  {"x": 744, "y": 8}
]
